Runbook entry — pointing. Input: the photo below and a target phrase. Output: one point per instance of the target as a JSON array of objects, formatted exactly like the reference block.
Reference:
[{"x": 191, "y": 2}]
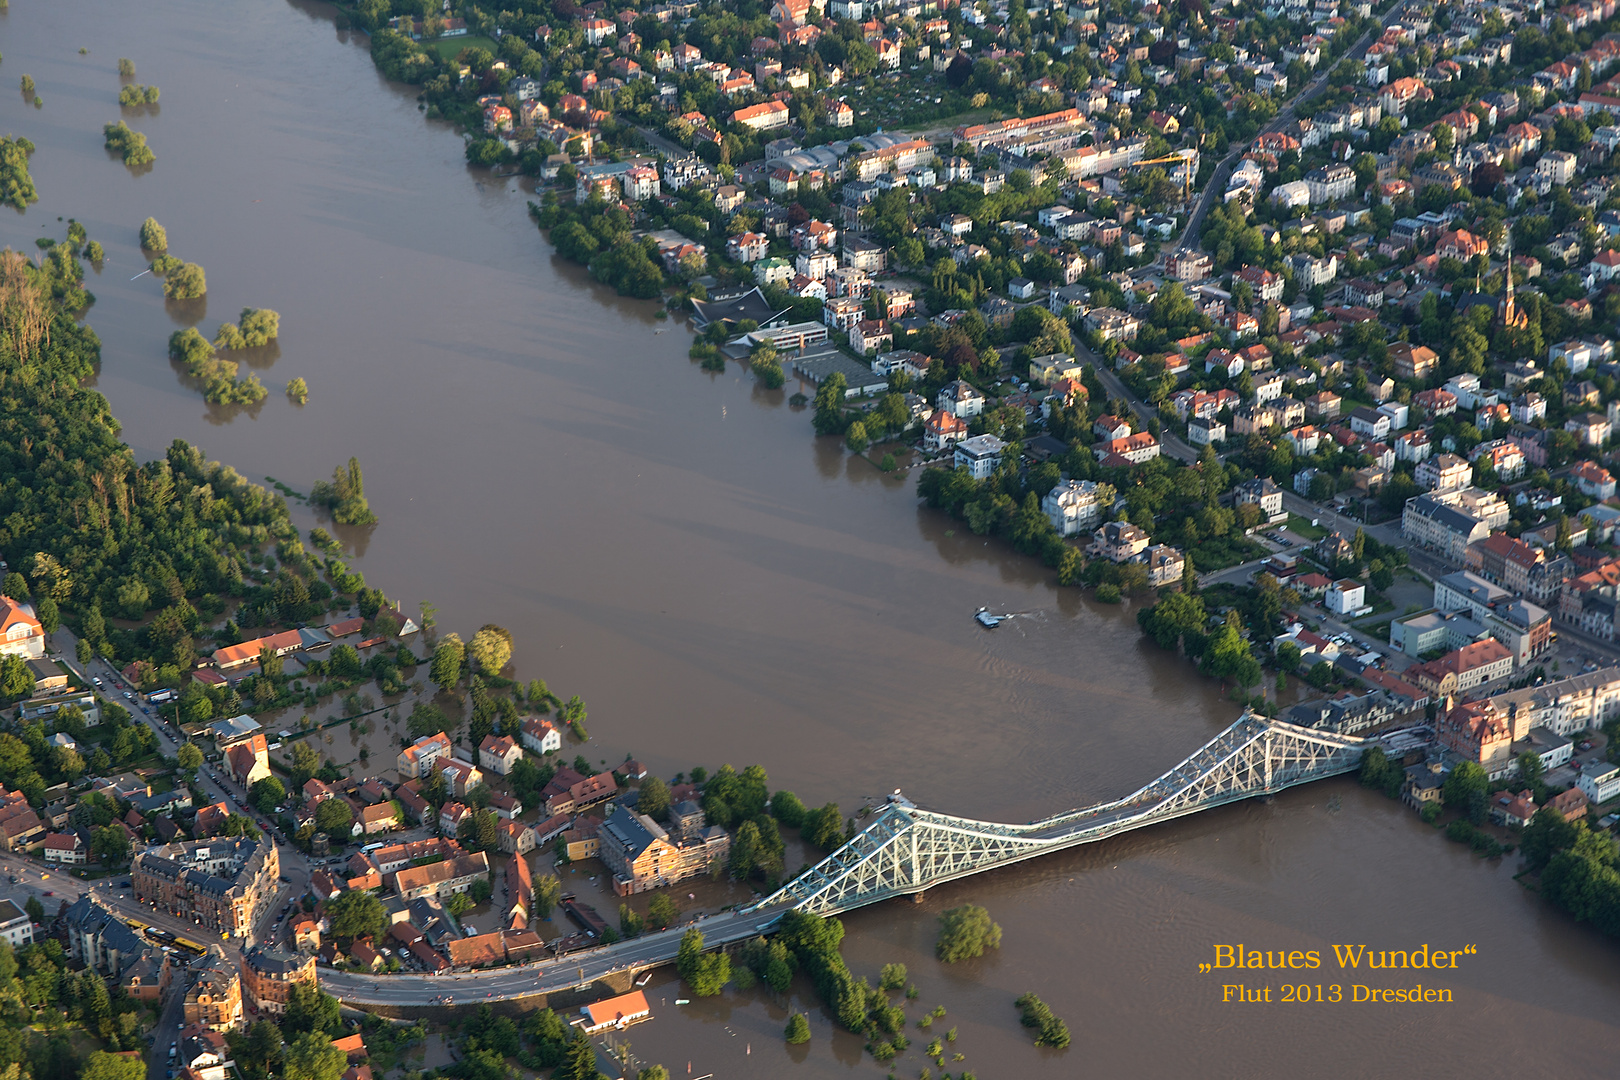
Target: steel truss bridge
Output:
[{"x": 906, "y": 850}]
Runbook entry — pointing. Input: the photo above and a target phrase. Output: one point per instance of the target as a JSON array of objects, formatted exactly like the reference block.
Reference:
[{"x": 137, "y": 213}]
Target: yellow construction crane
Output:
[{"x": 1177, "y": 159}]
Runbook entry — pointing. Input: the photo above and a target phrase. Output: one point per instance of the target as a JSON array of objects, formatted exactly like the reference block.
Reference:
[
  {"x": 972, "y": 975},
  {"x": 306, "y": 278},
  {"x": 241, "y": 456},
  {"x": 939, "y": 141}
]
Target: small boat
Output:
[
  {"x": 645, "y": 979},
  {"x": 986, "y": 619},
  {"x": 683, "y": 1001}
]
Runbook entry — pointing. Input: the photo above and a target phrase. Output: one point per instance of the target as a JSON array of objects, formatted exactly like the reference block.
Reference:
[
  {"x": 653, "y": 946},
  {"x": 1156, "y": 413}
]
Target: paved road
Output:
[
  {"x": 543, "y": 977},
  {"x": 1217, "y": 180},
  {"x": 1170, "y": 443}
]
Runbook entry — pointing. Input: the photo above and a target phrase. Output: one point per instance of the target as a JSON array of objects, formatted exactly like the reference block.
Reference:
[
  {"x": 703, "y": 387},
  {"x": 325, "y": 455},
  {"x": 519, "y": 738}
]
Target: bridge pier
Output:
[{"x": 917, "y": 897}]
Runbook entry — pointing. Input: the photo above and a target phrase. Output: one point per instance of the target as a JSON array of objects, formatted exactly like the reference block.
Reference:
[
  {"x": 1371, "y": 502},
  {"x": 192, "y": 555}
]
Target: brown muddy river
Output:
[{"x": 720, "y": 586}]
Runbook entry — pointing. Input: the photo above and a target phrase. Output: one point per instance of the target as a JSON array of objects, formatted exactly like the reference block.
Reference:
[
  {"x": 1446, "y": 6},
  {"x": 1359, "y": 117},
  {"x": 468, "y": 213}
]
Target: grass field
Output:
[{"x": 450, "y": 48}]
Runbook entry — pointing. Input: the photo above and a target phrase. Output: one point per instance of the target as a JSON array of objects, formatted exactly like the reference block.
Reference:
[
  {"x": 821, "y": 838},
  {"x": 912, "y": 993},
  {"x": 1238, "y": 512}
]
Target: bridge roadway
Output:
[
  {"x": 578, "y": 969},
  {"x": 905, "y": 850}
]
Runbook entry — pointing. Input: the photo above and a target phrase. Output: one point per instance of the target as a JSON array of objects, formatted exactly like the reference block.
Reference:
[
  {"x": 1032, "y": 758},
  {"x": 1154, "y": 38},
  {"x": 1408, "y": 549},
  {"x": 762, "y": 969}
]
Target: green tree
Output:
[
  {"x": 186, "y": 283},
  {"x": 334, "y": 817},
  {"x": 356, "y": 913},
  {"x": 1466, "y": 779},
  {"x": 654, "y": 799},
  {"x": 1050, "y": 1031},
  {"x": 824, "y": 828},
  {"x": 547, "y": 891},
  {"x": 35, "y": 909},
  {"x": 306, "y": 762},
  {"x": 344, "y": 496},
  {"x": 965, "y": 932},
  {"x": 705, "y": 974},
  {"x": 101, "y": 1065},
  {"x": 580, "y": 1062},
  {"x": 829, "y": 404},
  {"x": 1177, "y": 614},
  {"x": 311, "y": 1009},
  {"x": 153, "y": 237},
  {"x": 313, "y": 1057},
  {"x": 892, "y": 977},
  {"x": 490, "y": 649},
  {"x": 786, "y": 808},
  {"x": 267, "y": 794},
  {"x": 190, "y": 758},
  {"x": 1547, "y": 835},
  {"x": 653, "y": 1072},
  {"x": 49, "y": 615},
  {"x": 661, "y": 911},
  {"x": 110, "y": 844},
  {"x": 298, "y": 390},
  {"x": 445, "y": 669},
  {"x": 798, "y": 1030}
]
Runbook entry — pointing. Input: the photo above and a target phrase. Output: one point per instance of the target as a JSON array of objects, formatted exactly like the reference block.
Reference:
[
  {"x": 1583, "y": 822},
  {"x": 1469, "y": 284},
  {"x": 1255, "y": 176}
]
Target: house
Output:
[
  {"x": 539, "y": 736},
  {"x": 459, "y": 776},
  {"x": 619, "y": 1012},
  {"x": 269, "y": 974},
  {"x": 498, "y": 753},
  {"x": 1600, "y": 783},
  {"x": 379, "y": 817},
  {"x": 1165, "y": 565},
  {"x": 516, "y": 838},
  {"x": 1345, "y": 597},
  {"x": 1075, "y": 506},
  {"x": 419, "y": 758},
  {"x": 580, "y": 795},
  {"x": 1414, "y": 363},
  {"x": 1461, "y": 670},
  {"x": 1370, "y": 423},
  {"x": 871, "y": 336},
  {"x": 15, "y": 925},
  {"x": 942, "y": 429},
  {"x": 66, "y": 849},
  {"x": 214, "y": 999},
  {"x": 642, "y": 855},
  {"x": 1430, "y": 522},
  {"x": 1118, "y": 542},
  {"x": 1202, "y": 432},
  {"x": 765, "y": 116},
  {"x": 247, "y": 652},
  {"x": 1265, "y": 494},
  {"x": 748, "y": 247},
  {"x": 1443, "y": 472},
  {"x": 960, "y": 399},
  {"x": 1130, "y": 450},
  {"x": 20, "y": 632},
  {"x": 980, "y": 455},
  {"x": 1108, "y": 427},
  {"x": 1593, "y": 480},
  {"x": 441, "y": 879}
]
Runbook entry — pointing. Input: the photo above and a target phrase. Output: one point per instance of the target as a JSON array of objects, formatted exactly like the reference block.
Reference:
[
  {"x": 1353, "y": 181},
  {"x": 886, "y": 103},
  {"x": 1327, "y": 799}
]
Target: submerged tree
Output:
[
  {"x": 153, "y": 237},
  {"x": 16, "y": 185},
  {"x": 345, "y": 496},
  {"x": 131, "y": 144},
  {"x": 185, "y": 282}
]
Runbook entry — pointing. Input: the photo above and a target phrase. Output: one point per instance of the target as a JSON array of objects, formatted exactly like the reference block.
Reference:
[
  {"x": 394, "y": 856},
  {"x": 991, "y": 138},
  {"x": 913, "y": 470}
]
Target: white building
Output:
[
  {"x": 15, "y": 925},
  {"x": 1345, "y": 597},
  {"x": 960, "y": 399},
  {"x": 980, "y": 455},
  {"x": 1600, "y": 783},
  {"x": 1075, "y": 505}
]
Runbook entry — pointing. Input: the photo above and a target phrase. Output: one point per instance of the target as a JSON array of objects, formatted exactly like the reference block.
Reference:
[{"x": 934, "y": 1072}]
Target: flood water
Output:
[{"x": 720, "y": 586}]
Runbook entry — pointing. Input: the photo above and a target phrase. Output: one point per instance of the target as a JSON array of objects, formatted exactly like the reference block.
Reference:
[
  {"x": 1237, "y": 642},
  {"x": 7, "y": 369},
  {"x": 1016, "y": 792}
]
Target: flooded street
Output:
[{"x": 719, "y": 586}]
